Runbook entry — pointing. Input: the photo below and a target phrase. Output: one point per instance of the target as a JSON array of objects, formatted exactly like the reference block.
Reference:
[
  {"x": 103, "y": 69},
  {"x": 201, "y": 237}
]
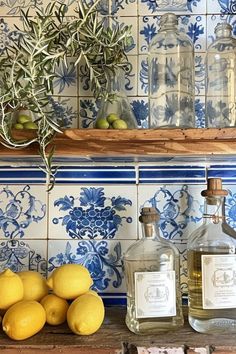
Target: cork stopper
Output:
[
  {"x": 149, "y": 215},
  {"x": 214, "y": 188}
]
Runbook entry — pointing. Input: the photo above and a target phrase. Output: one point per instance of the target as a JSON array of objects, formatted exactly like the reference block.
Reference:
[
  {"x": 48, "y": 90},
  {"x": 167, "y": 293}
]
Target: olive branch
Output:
[{"x": 28, "y": 68}]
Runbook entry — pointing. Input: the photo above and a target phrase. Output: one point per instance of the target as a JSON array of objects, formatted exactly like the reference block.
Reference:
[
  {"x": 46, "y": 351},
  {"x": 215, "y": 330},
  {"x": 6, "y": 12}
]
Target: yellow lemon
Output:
[
  {"x": 70, "y": 280},
  {"x": 56, "y": 309},
  {"x": 24, "y": 319},
  {"x": 86, "y": 314},
  {"x": 11, "y": 289},
  {"x": 35, "y": 286}
]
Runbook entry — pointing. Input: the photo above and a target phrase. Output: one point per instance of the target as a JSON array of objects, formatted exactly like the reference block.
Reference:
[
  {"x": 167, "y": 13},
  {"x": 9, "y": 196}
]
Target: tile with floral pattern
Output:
[
  {"x": 221, "y": 6},
  {"x": 102, "y": 258},
  {"x": 124, "y": 7},
  {"x": 88, "y": 212},
  {"x": 23, "y": 212}
]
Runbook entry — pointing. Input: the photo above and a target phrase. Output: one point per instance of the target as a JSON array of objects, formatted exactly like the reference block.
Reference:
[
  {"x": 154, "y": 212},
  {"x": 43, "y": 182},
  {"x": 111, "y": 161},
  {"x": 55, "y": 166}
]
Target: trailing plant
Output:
[{"x": 28, "y": 67}]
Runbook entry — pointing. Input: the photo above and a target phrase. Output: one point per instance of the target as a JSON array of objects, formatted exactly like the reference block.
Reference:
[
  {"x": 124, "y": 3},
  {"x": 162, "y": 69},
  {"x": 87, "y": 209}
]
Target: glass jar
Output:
[
  {"x": 152, "y": 277},
  {"x": 115, "y": 111},
  {"x": 221, "y": 79},
  {"x": 211, "y": 263},
  {"x": 171, "y": 77}
]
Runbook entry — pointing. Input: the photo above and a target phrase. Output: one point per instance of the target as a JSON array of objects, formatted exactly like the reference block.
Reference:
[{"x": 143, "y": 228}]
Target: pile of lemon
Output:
[{"x": 28, "y": 301}]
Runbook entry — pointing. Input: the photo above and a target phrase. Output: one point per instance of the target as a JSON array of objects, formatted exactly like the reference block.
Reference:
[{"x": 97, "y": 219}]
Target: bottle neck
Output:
[
  {"x": 223, "y": 30},
  {"x": 150, "y": 230},
  {"x": 214, "y": 210}
]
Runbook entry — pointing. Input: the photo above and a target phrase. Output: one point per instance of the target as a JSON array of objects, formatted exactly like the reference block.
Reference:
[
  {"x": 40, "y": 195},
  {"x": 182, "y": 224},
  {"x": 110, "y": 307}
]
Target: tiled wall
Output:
[{"x": 91, "y": 215}]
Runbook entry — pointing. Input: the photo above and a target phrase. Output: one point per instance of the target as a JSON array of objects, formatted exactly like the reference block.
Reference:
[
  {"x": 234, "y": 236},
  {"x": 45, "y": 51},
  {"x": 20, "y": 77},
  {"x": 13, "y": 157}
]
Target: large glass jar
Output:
[
  {"x": 115, "y": 111},
  {"x": 221, "y": 79},
  {"x": 171, "y": 77}
]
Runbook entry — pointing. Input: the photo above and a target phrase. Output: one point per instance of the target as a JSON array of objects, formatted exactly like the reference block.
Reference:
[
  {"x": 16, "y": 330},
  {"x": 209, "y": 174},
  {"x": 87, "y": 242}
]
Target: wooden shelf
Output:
[
  {"x": 109, "y": 339},
  {"x": 133, "y": 143}
]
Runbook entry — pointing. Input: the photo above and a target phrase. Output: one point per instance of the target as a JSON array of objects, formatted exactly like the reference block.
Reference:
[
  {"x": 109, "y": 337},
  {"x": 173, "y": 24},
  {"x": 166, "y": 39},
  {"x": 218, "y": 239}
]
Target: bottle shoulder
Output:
[
  {"x": 212, "y": 235},
  {"x": 168, "y": 40},
  {"x": 147, "y": 246}
]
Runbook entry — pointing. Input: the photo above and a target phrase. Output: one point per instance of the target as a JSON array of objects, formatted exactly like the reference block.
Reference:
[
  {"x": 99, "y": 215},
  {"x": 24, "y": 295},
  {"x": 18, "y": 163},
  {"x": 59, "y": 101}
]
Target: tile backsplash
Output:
[{"x": 91, "y": 215}]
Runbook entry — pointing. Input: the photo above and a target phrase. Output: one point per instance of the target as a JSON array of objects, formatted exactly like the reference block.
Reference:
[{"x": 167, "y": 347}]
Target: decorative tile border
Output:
[
  {"x": 21, "y": 175},
  {"x": 172, "y": 174},
  {"x": 96, "y": 174},
  {"x": 226, "y": 172}
]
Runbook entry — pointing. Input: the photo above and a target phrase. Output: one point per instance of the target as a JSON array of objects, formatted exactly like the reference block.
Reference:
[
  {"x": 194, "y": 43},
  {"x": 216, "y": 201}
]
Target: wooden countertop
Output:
[{"x": 109, "y": 339}]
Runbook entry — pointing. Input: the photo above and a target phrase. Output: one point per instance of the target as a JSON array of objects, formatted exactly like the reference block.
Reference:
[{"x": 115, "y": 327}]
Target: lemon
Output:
[
  {"x": 11, "y": 289},
  {"x": 35, "y": 287},
  {"x": 112, "y": 117},
  {"x": 24, "y": 319},
  {"x": 70, "y": 280},
  {"x": 23, "y": 118},
  {"x": 86, "y": 314},
  {"x": 56, "y": 309}
]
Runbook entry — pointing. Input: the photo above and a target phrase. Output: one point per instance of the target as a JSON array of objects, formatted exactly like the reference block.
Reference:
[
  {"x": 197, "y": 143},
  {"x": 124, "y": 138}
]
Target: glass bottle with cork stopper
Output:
[
  {"x": 151, "y": 268},
  {"x": 221, "y": 79},
  {"x": 211, "y": 262}
]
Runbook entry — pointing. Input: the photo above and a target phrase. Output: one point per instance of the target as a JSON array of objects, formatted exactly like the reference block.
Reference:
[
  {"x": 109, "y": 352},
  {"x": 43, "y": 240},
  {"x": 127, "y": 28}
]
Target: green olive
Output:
[
  {"x": 23, "y": 118},
  {"x": 102, "y": 123},
  {"x": 119, "y": 124},
  {"x": 18, "y": 126},
  {"x": 30, "y": 125},
  {"x": 112, "y": 117}
]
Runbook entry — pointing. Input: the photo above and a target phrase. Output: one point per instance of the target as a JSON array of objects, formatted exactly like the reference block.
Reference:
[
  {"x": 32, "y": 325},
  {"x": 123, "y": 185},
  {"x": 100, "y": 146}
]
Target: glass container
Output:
[
  {"x": 171, "y": 77},
  {"x": 152, "y": 276},
  {"x": 115, "y": 111},
  {"x": 221, "y": 79},
  {"x": 211, "y": 263}
]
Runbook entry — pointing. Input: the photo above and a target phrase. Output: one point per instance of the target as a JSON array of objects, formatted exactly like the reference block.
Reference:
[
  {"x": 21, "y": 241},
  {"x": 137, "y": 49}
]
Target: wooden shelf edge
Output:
[{"x": 136, "y": 142}]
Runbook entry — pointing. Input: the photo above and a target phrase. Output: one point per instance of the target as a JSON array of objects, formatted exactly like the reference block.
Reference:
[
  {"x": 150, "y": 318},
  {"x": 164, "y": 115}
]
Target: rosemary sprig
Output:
[{"x": 29, "y": 65}]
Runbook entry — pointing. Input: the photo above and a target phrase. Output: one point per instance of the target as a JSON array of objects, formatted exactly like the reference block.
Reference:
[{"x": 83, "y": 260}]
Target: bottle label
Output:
[
  {"x": 155, "y": 294},
  {"x": 218, "y": 281}
]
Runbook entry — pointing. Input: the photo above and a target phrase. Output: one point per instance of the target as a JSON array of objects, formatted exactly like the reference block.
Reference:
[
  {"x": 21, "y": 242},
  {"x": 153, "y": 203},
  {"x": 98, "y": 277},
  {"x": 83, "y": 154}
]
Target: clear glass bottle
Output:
[
  {"x": 211, "y": 262},
  {"x": 115, "y": 112},
  {"x": 171, "y": 77},
  {"x": 221, "y": 79},
  {"x": 152, "y": 276}
]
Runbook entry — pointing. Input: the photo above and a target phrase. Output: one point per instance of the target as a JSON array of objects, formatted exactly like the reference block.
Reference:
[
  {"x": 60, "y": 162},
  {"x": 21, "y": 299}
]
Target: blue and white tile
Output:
[
  {"x": 132, "y": 47},
  {"x": 200, "y": 74},
  {"x": 93, "y": 212},
  {"x": 8, "y": 32},
  {"x": 21, "y": 174},
  {"x": 21, "y": 255},
  {"x": 72, "y": 6},
  {"x": 182, "y": 248},
  {"x": 88, "y": 109},
  {"x": 131, "y": 78},
  {"x": 65, "y": 109},
  {"x": 180, "y": 208},
  {"x": 140, "y": 108},
  {"x": 96, "y": 174},
  {"x": 213, "y": 20},
  {"x": 150, "y": 7},
  {"x": 221, "y": 7},
  {"x": 102, "y": 258},
  {"x": 143, "y": 75},
  {"x": 200, "y": 112},
  {"x": 23, "y": 212},
  {"x": 193, "y": 26},
  {"x": 162, "y": 174},
  {"x": 65, "y": 82},
  {"x": 227, "y": 172},
  {"x": 124, "y": 7},
  {"x": 14, "y": 8}
]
